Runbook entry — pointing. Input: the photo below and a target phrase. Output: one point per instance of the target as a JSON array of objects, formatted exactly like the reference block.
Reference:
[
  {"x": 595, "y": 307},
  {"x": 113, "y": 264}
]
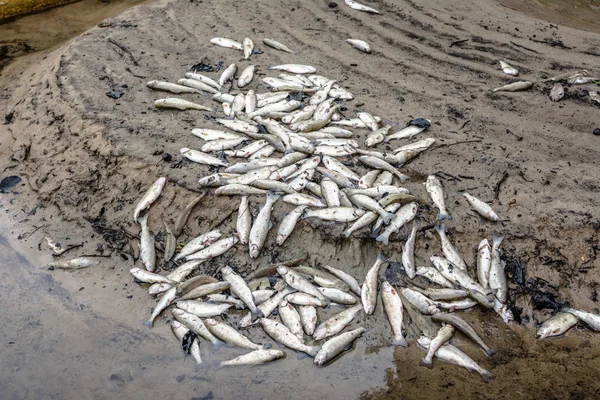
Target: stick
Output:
[
  {"x": 523, "y": 47},
  {"x": 452, "y": 144},
  {"x": 124, "y": 49},
  {"x": 500, "y": 182},
  {"x": 458, "y": 42}
]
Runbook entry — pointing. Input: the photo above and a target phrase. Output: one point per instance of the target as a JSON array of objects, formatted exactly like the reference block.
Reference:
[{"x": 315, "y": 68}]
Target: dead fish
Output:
[
  {"x": 183, "y": 335},
  {"x": 239, "y": 288},
  {"x": 556, "y": 325},
  {"x": 334, "y": 346},
  {"x": 497, "y": 277},
  {"x": 408, "y": 250},
  {"x": 321, "y": 94},
  {"x": 276, "y": 45},
  {"x": 164, "y": 302},
  {"x": 464, "y": 328},
  {"x": 337, "y": 323},
  {"x": 392, "y": 305},
  {"x": 284, "y": 106},
  {"x": 337, "y": 214},
  {"x": 300, "y": 199},
  {"x": 508, "y": 70},
  {"x": 181, "y": 272},
  {"x": 337, "y": 296},
  {"x": 308, "y": 317},
  {"x": 197, "y": 86},
  {"x": 219, "y": 145},
  {"x": 244, "y": 220},
  {"x": 198, "y": 243},
  {"x": 453, "y": 355},
  {"x": 443, "y": 335},
  {"x": 369, "y": 120},
  {"x": 205, "y": 79},
  {"x": 230, "y": 335},
  {"x": 75, "y": 263},
  {"x": 457, "y": 275},
  {"x": 283, "y": 335},
  {"x": 513, "y": 87},
  {"x": 557, "y": 92},
  {"x": 149, "y": 277},
  {"x": 238, "y": 126},
  {"x": 256, "y": 357},
  {"x": 182, "y": 218},
  {"x": 360, "y": 7},
  {"x": 591, "y": 320},
  {"x": 201, "y": 290},
  {"x": 377, "y": 136},
  {"x": 360, "y": 45},
  {"x": 403, "y": 216},
  {"x": 413, "y": 128},
  {"x": 246, "y": 76},
  {"x": 149, "y": 197},
  {"x": 300, "y": 283},
  {"x": 303, "y": 299},
  {"x": 337, "y": 166},
  {"x": 376, "y": 163},
  {"x": 484, "y": 262},
  {"x": 223, "y": 97},
  {"x": 238, "y": 189},
  {"x": 419, "y": 301},
  {"x": 203, "y": 309},
  {"x": 268, "y": 306},
  {"x": 462, "y": 304},
  {"x": 481, "y": 207},
  {"x": 248, "y": 46},
  {"x": 241, "y": 168},
  {"x": 436, "y": 192},
  {"x": 171, "y": 87},
  {"x": 197, "y": 325},
  {"x": 433, "y": 275},
  {"x": 368, "y": 293},
  {"x": 345, "y": 277},
  {"x": 450, "y": 252},
  {"x": 180, "y": 104},
  {"x": 288, "y": 223},
  {"x": 291, "y": 319},
  {"x": 227, "y": 74},
  {"x": 227, "y": 43},
  {"x": 248, "y": 150},
  {"x": 261, "y": 226},
  {"x": 366, "y": 202},
  {"x": 216, "y": 249},
  {"x": 147, "y": 250},
  {"x": 443, "y": 294},
  {"x": 294, "y": 68},
  {"x": 202, "y": 158}
]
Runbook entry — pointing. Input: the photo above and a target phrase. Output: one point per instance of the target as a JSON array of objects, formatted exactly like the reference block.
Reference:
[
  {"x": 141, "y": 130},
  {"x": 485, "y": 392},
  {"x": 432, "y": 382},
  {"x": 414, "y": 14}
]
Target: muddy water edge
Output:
[{"x": 63, "y": 339}]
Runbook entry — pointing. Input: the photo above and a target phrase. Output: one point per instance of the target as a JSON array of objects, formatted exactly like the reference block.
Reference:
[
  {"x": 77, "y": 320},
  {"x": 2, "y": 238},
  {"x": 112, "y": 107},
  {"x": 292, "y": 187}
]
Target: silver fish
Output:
[
  {"x": 198, "y": 86},
  {"x": 215, "y": 180},
  {"x": 228, "y": 74},
  {"x": 283, "y": 335},
  {"x": 219, "y": 145},
  {"x": 203, "y": 309},
  {"x": 214, "y": 134},
  {"x": 392, "y": 304},
  {"x": 248, "y": 46},
  {"x": 201, "y": 158},
  {"x": 464, "y": 328},
  {"x": 303, "y": 299},
  {"x": 418, "y": 300},
  {"x": 556, "y": 325},
  {"x": 591, "y": 320},
  {"x": 557, "y": 92},
  {"x": 276, "y": 45},
  {"x": 202, "y": 290},
  {"x": 227, "y": 43},
  {"x": 360, "y": 7},
  {"x": 256, "y": 357},
  {"x": 288, "y": 223},
  {"x": 514, "y": 87},
  {"x": 443, "y": 335},
  {"x": 508, "y": 69},
  {"x": 294, "y": 68},
  {"x": 369, "y": 120},
  {"x": 408, "y": 253},
  {"x": 291, "y": 319},
  {"x": 261, "y": 226},
  {"x": 300, "y": 199},
  {"x": 300, "y": 283},
  {"x": 204, "y": 79},
  {"x": 368, "y": 203},
  {"x": 436, "y": 192},
  {"x": 377, "y": 136},
  {"x": 337, "y": 296},
  {"x": 75, "y": 263},
  {"x": 149, "y": 277},
  {"x": 497, "y": 277},
  {"x": 244, "y": 220},
  {"x": 457, "y": 275},
  {"x": 250, "y": 101},
  {"x": 241, "y": 290},
  {"x": 338, "y": 214},
  {"x": 360, "y": 45},
  {"x": 450, "y": 252},
  {"x": 345, "y": 277},
  {"x": 377, "y": 163},
  {"x": 197, "y": 325},
  {"x": 484, "y": 262},
  {"x": 433, "y": 275},
  {"x": 223, "y": 298},
  {"x": 268, "y": 306},
  {"x": 481, "y": 207},
  {"x": 244, "y": 167},
  {"x": 180, "y": 104},
  {"x": 149, "y": 197},
  {"x": 171, "y": 87},
  {"x": 216, "y": 249},
  {"x": 147, "y": 250},
  {"x": 368, "y": 293},
  {"x": 179, "y": 330},
  {"x": 308, "y": 317},
  {"x": 462, "y": 304},
  {"x": 337, "y": 323},
  {"x": 403, "y": 216},
  {"x": 223, "y": 97},
  {"x": 334, "y": 346},
  {"x": 164, "y": 302},
  {"x": 407, "y": 132},
  {"x": 366, "y": 181},
  {"x": 237, "y": 189},
  {"x": 230, "y": 335},
  {"x": 246, "y": 76}
]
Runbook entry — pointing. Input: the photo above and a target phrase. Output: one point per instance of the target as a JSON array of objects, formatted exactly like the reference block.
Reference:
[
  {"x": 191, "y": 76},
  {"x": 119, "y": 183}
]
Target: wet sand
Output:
[{"x": 86, "y": 159}]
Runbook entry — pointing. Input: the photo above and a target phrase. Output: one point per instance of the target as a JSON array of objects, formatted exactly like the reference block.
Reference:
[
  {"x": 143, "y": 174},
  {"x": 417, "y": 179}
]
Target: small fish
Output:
[
  {"x": 227, "y": 74},
  {"x": 240, "y": 289},
  {"x": 246, "y": 76},
  {"x": 214, "y": 134},
  {"x": 181, "y": 272},
  {"x": 337, "y": 323},
  {"x": 196, "y": 292},
  {"x": 462, "y": 304},
  {"x": 408, "y": 253},
  {"x": 508, "y": 70},
  {"x": 256, "y": 357},
  {"x": 334, "y": 346},
  {"x": 453, "y": 355},
  {"x": 303, "y": 299},
  {"x": 197, "y": 86},
  {"x": 300, "y": 199},
  {"x": 283, "y": 335},
  {"x": 436, "y": 192},
  {"x": 171, "y": 87},
  {"x": 456, "y": 275},
  {"x": 181, "y": 333},
  {"x": 299, "y": 282},
  {"x": 377, "y": 136},
  {"x": 268, "y": 306},
  {"x": 261, "y": 226},
  {"x": 464, "y": 328},
  {"x": 149, "y": 197},
  {"x": 228, "y": 43},
  {"x": 556, "y": 325},
  {"x": 250, "y": 102},
  {"x": 237, "y": 189},
  {"x": 75, "y": 263},
  {"x": 360, "y": 45},
  {"x": 294, "y": 68},
  {"x": 443, "y": 294},
  {"x": 276, "y": 45},
  {"x": 484, "y": 262},
  {"x": 249, "y": 150},
  {"x": 557, "y": 92},
  {"x": 147, "y": 250},
  {"x": 591, "y": 320},
  {"x": 514, "y": 87},
  {"x": 230, "y": 335},
  {"x": 308, "y": 317},
  {"x": 360, "y": 7},
  {"x": 337, "y": 214},
  {"x": 223, "y": 298},
  {"x": 244, "y": 220},
  {"x": 223, "y": 97},
  {"x": 203, "y": 309},
  {"x": 241, "y": 168},
  {"x": 369, "y": 120},
  {"x": 450, "y": 252},
  {"x": 219, "y": 145},
  {"x": 180, "y": 104},
  {"x": 197, "y": 325},
  {"x": 368, "y": 293},
  {"x": 419, "y": 301},
  {"x": 288, "y": 223},
  {"x": 149, "y": 277},
  {"x": 198, "y": 243},
  {"x": 205, "y": 79},
  {"x": 366, "y": 181},
  {"x": 443, "y": 335},
  {"x": 403, "y": 216},
  {"x": 248, "y": 46},
  {"x": 202, "y": 158},
  {"x": 291, "y": 319},
  {"x": 164, "y": 302},
  {"x": 216, "y": 249},
  {"x": 413, "y": 128},
  {"x": 337, "y": 296},
  {"x": 376, "y": 163},
  {"x": 481, "y": 207},
  {"x": 392, "y": 304},
  {"x": 497, "y": 277},
  {"x": 370, "y": 204},
  {"x": 433, "y": 275},
  {"x": 337, "y": 166},
  {"x": 321, "y": 95},
  {"x": 345, "y": 277}
]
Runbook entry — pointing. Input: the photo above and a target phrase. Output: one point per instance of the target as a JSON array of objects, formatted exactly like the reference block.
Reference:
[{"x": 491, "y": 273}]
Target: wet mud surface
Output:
[{"x": 86, "y": 158}]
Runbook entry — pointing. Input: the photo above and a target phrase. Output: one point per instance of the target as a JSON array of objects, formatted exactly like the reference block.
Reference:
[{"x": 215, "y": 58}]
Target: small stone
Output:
[{"x": 596, "y": 132}]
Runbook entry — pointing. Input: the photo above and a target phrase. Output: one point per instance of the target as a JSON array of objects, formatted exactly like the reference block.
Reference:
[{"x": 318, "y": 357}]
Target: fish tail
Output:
[
  {"x": 217, "y": 365},
  {"x": 400, "y": 342},
  {"x": 426, "y": 363},
  {"x": 497, "y": 239},
  {"x": 388, "y": 217},
  {"x": 444, "y": 216},
  {"x": 346, "y": 234},
  {"x": 313, "y": 350},
  {"x": 490, "y": 352},
  {"x": 148, "y": 323},
  {"x": 383, "y": 239},
  {"x": 440, "y": 229},
  {"x": 271, "y": 195},
  {"x": 487, "y": 375},
  {"x": 256, "y": 314},
  {"x": 382, "y": 257}
]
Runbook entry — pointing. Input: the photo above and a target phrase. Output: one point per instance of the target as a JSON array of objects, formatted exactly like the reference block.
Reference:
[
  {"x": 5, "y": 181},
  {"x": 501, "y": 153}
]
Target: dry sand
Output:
[{"x": 86, "y": 158}]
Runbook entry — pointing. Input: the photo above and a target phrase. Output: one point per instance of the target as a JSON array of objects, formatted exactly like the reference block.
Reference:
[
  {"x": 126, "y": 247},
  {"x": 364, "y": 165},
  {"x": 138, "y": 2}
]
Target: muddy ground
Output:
[{"x": 86, "y": 158}]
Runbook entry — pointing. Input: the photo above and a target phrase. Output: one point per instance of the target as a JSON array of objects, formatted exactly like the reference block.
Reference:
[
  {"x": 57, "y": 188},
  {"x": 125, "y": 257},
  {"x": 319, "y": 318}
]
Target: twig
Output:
[
  {"x": 456, "y": 178},
  {"x": 458, "y": 42},
  {"x": 67, "y": 249},
  {"x": 466, "y": 176},
  {"x": 452, "y": 144},
  {"x": 500, "y": 182},
  {"x": 26, "y": 235},
  {"x": 463, "y": 125},
  {"x": 124, "y": 49},
  {"x": 523, "y": 47},
  {"x": 522, "y": 175},
  {"x": 224, "y": 218}
]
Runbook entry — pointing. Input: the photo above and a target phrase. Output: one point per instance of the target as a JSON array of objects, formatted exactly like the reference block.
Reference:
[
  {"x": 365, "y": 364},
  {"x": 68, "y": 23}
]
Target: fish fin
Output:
[
  {"x": 267, "y": 345},
  {"x": 497, "y": 240},
  {"x": 444, "y": 216},
  {"x": 148, "y": 323},
  {"x": 383, "y": 239},
  {"x": 426, "y": 363},
  {"x": 490, "y": 352},
  {"x": 487, "y": 375},
  {"x": 400, "y": 342}
]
